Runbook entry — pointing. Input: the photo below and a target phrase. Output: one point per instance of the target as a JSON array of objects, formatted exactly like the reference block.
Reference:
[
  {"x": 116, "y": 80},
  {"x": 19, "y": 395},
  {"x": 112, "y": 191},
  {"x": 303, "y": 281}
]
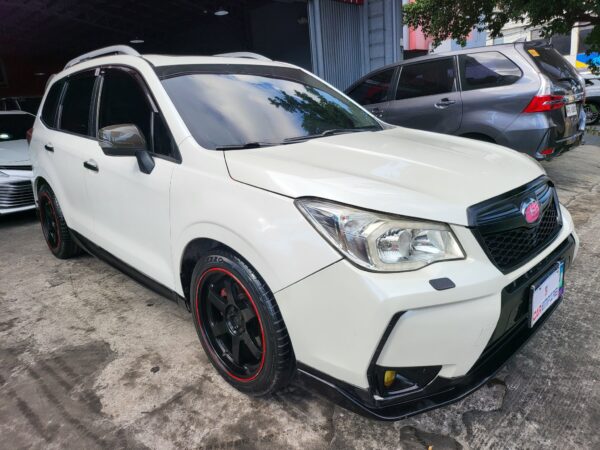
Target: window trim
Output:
[
  {"x": 455, "y": 84},
  {"x": 138, "y": 77},
  {"x": 62, "y": 98},
  {"x": 460, "y": 74}
]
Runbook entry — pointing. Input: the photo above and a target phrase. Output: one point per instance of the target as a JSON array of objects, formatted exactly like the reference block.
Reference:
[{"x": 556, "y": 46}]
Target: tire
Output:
[
  {"x": 54, "y": 227},
  {"x": 232, "y": 304},
  {"x": 592, "y": 113}
]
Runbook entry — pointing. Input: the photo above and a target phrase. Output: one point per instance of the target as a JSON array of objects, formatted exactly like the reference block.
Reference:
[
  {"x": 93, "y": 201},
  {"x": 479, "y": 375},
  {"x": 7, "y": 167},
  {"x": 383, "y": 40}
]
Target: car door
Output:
[
  {"x": 67, "y": 145},
  {"x": 373, "y": 91},
  {"x": 131, "y": 208},
  {"x": 426, "y": 97}
]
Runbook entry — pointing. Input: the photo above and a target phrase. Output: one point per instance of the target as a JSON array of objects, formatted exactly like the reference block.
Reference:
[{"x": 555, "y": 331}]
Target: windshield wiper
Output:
[
  {"x": 246, "y": 145},
  {"x": 331, "y": 132}
]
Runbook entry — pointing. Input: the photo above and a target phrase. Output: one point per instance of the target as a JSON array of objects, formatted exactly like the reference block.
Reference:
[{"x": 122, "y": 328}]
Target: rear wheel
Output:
[
  {"x": 54, "y": 226},
  {"x": 239, "y": 324}
]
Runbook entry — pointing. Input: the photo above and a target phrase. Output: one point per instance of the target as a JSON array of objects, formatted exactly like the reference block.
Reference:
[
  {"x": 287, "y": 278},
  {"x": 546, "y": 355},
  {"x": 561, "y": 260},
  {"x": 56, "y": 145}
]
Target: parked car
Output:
[
  {"x": 525, "y": 96},
  {"x": 28, "y": 104},
  {"x": 592, "y": 99},
  {"x": 397, "y": 267},
  {"x": 16, "y": 193}
]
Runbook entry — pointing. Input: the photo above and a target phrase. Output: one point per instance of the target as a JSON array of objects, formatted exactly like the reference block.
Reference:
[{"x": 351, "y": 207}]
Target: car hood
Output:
[
  {"x": 14, "y": 153},
  {"x": 407, "y": 172}
]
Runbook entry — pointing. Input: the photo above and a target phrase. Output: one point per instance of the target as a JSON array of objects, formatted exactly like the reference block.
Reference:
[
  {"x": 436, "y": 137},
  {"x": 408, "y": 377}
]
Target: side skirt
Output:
[{"x": 138, "y": 276}]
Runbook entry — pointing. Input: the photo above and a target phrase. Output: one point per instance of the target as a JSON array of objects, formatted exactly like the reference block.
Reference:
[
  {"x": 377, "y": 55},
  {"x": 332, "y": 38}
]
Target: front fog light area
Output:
[
  {"x": 389, "y": 382},
  {"x": 378, "y": 241}
]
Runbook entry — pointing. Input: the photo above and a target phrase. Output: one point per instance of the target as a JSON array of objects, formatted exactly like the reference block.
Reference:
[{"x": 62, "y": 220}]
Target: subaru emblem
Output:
[{"x": 530, "y": 209}]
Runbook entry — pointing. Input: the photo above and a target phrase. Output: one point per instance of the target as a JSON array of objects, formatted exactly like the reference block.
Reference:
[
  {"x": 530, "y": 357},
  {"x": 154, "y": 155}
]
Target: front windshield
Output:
[
  {"x": 15, "y": 126},
  {"x": 261, "y": 106}
]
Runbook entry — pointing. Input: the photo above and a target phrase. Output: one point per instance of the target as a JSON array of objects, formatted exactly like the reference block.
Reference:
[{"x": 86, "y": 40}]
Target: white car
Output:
[
  {"x": 16, "y": 193},
  {"x": 398, "y": 269}
]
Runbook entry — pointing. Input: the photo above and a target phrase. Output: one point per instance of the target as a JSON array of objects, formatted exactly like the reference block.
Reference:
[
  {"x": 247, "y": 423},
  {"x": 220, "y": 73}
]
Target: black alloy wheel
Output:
[
  {"x": 232, "y": 325},
  {"x": 239, "y": 324},
  {"x": 49, "y": 221},
  {"x": 54, "y": 227}
]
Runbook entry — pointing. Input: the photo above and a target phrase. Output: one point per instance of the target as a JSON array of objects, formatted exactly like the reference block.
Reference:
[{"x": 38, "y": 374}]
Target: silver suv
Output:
[{"x": 525, "y": 96}]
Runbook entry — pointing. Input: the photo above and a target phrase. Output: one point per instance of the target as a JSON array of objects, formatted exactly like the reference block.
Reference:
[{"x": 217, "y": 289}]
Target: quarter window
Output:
[
  {"x": 374, "y": 89},
  {"x": 487, "y": 69},
  {"x": 75, "y": 110},
  {"x": 50, "y": 109},
  {"x": 124, "y": 101},
  {"x": 426, "y": 78}
]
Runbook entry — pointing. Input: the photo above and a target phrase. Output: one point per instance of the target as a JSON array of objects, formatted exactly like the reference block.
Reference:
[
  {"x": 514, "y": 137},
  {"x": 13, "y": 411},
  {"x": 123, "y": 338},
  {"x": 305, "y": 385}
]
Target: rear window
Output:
[
  {"x": 551, "y": 63},
  {"x": 51, "y": 104},
  {"x": 487, "y": 69},
  {"x": 14, "y": 126}
]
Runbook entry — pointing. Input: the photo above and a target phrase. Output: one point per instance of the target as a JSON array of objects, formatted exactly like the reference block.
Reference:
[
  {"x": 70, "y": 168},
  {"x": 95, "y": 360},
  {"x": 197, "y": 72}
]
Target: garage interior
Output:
[{"x": 37, "y": 37}]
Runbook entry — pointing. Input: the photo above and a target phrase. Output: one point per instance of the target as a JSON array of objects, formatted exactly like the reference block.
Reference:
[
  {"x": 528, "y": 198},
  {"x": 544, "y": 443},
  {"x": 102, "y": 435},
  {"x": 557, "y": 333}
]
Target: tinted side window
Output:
[
  {"x": 75, "y": 108},
  {"x": 426, "y": 78},
  {"x": 124, "y": 101},
  {"x": 374, "y": 89},
  {"x": 50, "y": 108},
  {"x": 488, "y": 69}
]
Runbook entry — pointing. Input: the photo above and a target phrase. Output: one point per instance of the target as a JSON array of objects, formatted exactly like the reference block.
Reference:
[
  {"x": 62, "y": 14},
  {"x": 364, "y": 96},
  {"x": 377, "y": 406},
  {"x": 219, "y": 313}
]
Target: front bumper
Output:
[
  {"x": 336, "y": 319},
  {"x": 443, "y": 391},
  {"x": 16, "y": 191}
]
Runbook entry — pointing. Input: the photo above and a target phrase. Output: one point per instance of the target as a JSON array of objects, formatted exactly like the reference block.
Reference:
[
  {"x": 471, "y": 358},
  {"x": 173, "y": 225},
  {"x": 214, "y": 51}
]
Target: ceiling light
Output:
[
  {"x": 39, "y": 74},
  {"x": 221, "y": 12},
  {"x": 136, "y": 41}
]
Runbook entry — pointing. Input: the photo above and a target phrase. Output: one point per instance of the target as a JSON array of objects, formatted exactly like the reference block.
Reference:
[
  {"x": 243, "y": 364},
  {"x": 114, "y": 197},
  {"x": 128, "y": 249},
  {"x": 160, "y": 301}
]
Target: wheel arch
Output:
[
  {"x": 479, "y": 136},
  {"x": 38, "y": 183},
  {"x": 196, "y": 249}
]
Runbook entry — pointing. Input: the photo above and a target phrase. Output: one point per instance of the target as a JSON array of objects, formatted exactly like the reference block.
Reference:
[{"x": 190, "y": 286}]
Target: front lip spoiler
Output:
[{"x": 442, "y": 391}]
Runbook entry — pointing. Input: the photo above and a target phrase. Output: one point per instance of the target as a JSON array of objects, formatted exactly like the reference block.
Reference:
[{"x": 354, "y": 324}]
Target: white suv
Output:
[{"x": 397, "y": 268}]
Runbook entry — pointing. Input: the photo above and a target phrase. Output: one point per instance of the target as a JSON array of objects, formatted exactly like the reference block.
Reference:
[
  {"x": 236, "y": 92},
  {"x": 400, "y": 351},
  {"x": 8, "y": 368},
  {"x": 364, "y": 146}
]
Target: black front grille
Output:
[
  {"x": 17, "y": 194},
  {"x": 501, "y": 229}
]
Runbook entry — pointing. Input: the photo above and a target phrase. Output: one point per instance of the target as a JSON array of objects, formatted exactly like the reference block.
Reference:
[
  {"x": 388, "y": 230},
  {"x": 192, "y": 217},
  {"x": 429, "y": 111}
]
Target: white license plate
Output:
[
  {"x": 571, "y": 109},
  {"x": 546, "y": 292}
]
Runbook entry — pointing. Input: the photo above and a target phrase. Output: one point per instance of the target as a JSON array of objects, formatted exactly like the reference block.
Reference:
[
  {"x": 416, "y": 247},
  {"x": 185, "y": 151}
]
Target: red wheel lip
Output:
[
  {"x": 262, "y": 332},
  {"x": 55, "y": 218}
]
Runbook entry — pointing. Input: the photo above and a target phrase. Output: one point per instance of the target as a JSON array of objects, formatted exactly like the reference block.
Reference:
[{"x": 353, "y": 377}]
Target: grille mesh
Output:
[
  {"x": 17, "y": 194},
  {"x": 512, "y": 247}
]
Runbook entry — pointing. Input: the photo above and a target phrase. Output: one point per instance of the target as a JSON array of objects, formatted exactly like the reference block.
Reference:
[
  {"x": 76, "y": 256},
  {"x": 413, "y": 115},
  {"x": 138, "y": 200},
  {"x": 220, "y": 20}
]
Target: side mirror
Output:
[
  {"x": 121, "y": 140},
  {"x": 126, "y": 140}
]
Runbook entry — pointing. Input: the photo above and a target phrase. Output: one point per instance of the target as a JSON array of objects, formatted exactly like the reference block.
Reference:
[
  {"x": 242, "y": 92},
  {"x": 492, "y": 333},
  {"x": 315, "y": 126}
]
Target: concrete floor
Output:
[{"x": 91, "y": 359}]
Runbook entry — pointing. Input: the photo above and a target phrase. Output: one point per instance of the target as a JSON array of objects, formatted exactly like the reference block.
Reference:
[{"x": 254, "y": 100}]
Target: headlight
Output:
[{"x": 381, "y": 242}]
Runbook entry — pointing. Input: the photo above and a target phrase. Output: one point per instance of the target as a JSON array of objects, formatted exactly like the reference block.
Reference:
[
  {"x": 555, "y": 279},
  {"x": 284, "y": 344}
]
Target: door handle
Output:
[
  {"x": 444, "y": 103},
  {"x": 377, "y": 112},
  {"x": 49, "y": 147},
  {"x": 91, "y": 165}
]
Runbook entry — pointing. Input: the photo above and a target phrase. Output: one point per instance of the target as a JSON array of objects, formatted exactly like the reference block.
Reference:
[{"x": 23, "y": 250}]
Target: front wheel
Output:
[{"x": 239, "y": 324}]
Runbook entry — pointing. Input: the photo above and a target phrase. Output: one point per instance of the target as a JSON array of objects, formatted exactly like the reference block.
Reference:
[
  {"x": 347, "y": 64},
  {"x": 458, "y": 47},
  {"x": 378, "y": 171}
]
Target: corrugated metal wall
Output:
[
  {"x": 347, "y": 41},
  {"x": 337, "y": 28}
]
